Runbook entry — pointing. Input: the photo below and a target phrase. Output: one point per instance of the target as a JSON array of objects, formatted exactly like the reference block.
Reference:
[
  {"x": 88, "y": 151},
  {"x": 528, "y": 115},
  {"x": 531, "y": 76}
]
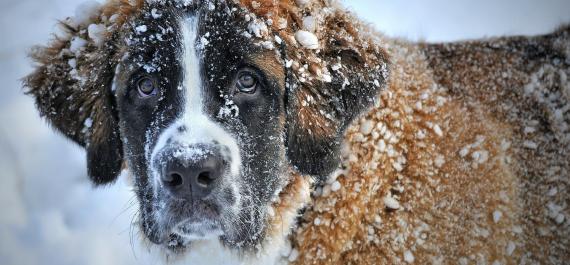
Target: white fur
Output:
[
  {"x": 212, "y": 252},
  {"x": 199, "y": 128}
]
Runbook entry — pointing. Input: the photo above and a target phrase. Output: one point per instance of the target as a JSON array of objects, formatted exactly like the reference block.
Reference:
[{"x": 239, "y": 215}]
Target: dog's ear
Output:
[
  {"x": 72, "y": 89},
  {"x": 327, "y": 90}
]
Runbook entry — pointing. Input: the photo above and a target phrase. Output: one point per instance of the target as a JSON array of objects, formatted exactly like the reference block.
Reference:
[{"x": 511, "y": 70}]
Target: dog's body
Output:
[
  {"x": 470, "y": 140},
  {"x": 459, "y": 154}
]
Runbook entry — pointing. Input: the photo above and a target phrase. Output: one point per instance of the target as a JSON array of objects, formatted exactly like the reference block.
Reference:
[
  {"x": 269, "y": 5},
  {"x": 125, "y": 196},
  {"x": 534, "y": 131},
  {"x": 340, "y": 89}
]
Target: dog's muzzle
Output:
[{"x": 195, "y": 167}]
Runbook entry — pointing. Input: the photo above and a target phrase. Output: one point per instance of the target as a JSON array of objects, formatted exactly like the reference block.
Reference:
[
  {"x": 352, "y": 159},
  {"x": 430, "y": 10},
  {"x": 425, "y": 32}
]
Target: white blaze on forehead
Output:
[
  {"x": 191, "y": 66},
  {"x": 199, "y": 128}
]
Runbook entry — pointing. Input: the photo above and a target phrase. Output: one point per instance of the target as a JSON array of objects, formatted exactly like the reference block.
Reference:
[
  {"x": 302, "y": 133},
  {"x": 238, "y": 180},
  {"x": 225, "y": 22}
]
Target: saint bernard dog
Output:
[{"x": 282, "y": 131}]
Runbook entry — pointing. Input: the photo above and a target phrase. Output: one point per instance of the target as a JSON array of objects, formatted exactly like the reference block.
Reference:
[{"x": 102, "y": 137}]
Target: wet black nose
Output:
[{"x": 193, "y": 174}]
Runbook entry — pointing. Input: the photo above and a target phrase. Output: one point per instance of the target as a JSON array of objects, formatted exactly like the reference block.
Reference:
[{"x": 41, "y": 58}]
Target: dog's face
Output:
[
  {"x": 202, "y": 115},
  {"x": 209, "y": 120}
]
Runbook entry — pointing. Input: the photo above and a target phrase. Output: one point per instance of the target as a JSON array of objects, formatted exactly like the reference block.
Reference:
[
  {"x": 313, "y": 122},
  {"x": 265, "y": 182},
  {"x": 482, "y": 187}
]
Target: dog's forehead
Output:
[
  {"x": 161, "y": 26},
  {"x": 154, "y": 42}
]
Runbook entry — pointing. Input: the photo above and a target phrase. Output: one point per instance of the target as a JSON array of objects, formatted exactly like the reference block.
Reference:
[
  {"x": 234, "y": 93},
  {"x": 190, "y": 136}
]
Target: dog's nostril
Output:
[
  {"x": 205, "y": 179},
  {"x": 173, "y": 179},
  {"x": 195, "y": 175}
]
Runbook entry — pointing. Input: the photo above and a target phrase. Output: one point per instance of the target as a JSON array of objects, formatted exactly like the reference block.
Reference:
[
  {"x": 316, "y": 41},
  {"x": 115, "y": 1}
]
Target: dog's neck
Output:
[{"x": 207, "y": 252}]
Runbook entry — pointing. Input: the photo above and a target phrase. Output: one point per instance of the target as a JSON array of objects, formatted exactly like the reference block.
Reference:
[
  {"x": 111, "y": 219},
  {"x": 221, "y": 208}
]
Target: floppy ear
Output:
[
  {"x": 72, "y": 89},
  {"x": 320, "y": 110}
]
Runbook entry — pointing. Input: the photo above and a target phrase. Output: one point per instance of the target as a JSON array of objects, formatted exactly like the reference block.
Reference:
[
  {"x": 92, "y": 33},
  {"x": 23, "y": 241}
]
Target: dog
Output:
[{"x": 275, "y": 132}]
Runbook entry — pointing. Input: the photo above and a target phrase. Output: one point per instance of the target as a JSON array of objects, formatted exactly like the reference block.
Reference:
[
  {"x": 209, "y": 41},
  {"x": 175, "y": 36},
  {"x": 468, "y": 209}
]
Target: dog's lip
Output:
[
  {"x": 204, "y": 221},
  {"x": 191, "y": 226},
  {"x": 191, "y": 230},
  {"x": 183, "y": 221}
]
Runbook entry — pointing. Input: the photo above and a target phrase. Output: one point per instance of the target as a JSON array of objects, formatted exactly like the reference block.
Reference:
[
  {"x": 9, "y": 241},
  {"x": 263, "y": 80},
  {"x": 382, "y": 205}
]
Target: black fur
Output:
[{"x": 318, "y": 154}]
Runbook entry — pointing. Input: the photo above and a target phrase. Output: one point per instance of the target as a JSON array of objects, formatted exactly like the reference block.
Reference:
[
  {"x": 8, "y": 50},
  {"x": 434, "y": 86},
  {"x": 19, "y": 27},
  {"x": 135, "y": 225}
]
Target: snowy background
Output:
[{"x": 50, "y": 214}]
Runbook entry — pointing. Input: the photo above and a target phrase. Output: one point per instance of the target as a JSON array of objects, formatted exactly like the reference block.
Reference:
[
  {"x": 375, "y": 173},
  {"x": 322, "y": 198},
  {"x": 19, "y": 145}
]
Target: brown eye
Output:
[
  {"x": 147, "y": 86},
  {"x": 246, "y": 82}
]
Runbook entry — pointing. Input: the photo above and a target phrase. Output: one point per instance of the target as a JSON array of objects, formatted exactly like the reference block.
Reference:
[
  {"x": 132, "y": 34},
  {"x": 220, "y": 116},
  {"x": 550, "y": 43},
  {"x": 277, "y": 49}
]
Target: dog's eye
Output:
[
  {"x": 147, "y": 86},
  {"x": 246, "y": 82}
]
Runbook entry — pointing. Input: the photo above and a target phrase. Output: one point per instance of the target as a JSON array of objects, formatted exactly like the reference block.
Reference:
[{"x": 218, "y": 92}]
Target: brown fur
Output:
[
  {"x": 274, "y": 10},
  {"x": 270, "y": 65},
  {"x": 447, "y": 209},
  {"x": 122, "y": 8},
  {"x": 293, "y": 197},
  {"x": 310, "y": 119}
]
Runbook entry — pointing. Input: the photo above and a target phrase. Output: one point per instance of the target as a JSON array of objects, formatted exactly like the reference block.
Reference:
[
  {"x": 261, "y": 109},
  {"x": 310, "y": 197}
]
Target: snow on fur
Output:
[{"x": 437, "y": 160}]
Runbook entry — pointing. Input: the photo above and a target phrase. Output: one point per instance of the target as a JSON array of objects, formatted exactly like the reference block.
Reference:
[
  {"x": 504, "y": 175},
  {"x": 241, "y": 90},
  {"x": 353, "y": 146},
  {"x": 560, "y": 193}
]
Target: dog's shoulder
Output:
[{"x": 440, "y": 166}]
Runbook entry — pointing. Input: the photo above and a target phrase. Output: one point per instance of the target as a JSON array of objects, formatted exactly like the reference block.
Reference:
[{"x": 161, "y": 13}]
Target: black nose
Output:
[{"x": 194, "y": 173}]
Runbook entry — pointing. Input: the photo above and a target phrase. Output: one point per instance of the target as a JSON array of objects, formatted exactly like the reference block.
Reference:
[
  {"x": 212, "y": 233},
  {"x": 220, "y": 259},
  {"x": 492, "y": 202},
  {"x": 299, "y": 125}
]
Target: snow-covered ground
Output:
[{"x": 50, "y": 213}]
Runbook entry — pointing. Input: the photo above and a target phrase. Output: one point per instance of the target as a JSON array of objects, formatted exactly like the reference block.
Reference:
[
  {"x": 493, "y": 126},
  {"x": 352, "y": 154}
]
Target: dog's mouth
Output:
[
  {"x": 204, "y": 220},
  {"x": 198, "y": 229},
  {"x": 198, "y": 221}
]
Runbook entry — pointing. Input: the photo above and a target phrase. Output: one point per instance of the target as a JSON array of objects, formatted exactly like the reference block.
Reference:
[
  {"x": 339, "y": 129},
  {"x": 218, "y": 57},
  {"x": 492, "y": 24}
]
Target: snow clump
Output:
[
  {"x": 85, "y": 12},
  {"x": 310, "y": 23},
  {"x": 302, "y": 2},
  {"x": 77, "y": 45},
  {"x": 391, "y": 203},
  {"x": 141, "y": 29},
  {"x": 307, "y": 39},
  {"x": 96, "y": 32}
]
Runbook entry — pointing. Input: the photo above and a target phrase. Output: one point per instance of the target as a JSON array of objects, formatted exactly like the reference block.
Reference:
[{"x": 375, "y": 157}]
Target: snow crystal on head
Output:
[
  {"x": 155, "y": 13},
  {"x": 307, "y": 39},
  {"x": 141, "y": 29},
  {"x": 86, "y": 12},
  {"x": 304, "y": 35},
  {"x": 229, "y": 109},
  {"x": 77, "y": 45},
  {"x": 96, "y": 32},
  {"x": 258, "y": 28},
  {"x": 187, "y": 152},
  {"x": 181, "y": 2}
]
